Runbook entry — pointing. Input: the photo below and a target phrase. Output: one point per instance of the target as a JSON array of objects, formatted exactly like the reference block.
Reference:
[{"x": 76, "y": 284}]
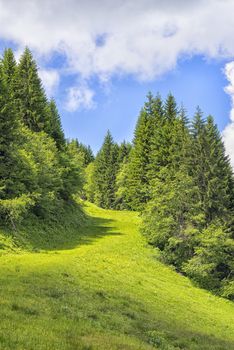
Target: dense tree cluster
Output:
[
  {"x": 39, "y": 170},
  {"x": 101, "y": 175},
  {"x": 178, "y": 175},
  {"x": 175, "y": 172}
]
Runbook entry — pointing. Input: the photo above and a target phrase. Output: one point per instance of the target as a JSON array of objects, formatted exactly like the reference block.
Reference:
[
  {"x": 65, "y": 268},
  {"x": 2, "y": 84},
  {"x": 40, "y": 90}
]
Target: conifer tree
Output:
[
  {"x": 54, "y": 127},
  {"x": 8, "y": 65},
  {"x": 124, "y": 150},
  {"x": 169, "y": 214},
  {"x": 170, "y": 108},
  {"x": 87, "y": 153},
  {"x": 33, "y": 171},
  {"x": 137, "y": 181},
  {"x": 210, "y": 168},
  {"x": 105, "y": 173},
  {"x": 160, "y": 141},
  {"x": 121, "y": 177},
  {"x": 8, "y": 138},
  {"x": 183, "y": 116},
  {"x": 30, "y": 95},
  {"x": 198, "y": 154},
  {"x": 89, "y": 156},
  {"x": 219, "y": 175},
  {"x": 169, "y": 145}
]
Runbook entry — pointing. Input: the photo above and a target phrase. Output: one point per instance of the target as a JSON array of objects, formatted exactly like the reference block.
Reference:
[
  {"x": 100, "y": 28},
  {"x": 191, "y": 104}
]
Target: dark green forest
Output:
[
  {"x": 40, "y": 171},
  {"x": 175, "y": 173}
]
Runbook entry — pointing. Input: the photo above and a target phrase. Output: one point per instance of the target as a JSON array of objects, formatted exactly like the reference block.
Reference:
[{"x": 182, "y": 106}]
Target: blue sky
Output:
[
  {"x": 100, "y": 58},
  {"x": 195, "y": 81}
]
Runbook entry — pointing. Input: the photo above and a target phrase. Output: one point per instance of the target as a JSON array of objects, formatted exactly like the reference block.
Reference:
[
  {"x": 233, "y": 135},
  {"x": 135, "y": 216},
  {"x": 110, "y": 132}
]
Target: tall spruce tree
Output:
[
  {"x": 9, "y": 134},
  {"x": 137, "y": 180},
  {"x": 159, "y": 143},
  {"x": 8, "y": 64},
  {"x": 124, "y": 150},
  {"x": 219, "y": 175},
  {"x": 30, "y": 96},
  {"x": 210, "y": 168},
  {"x": 87, "y": 153},
  {"x": 121, "y": 177},
  {"x": 170, "y": 141},
  {"x": 170, "y": 108},
  {"x": 106, "y": 165},
  {"x": 54, "y": 126},
  {"x": 198, "y": 160},
  {"x": 169, "y": 214}
]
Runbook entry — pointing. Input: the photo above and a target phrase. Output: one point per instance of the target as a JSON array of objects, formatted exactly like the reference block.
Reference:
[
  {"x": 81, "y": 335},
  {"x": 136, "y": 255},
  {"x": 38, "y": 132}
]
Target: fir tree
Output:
[
  {"x": 211, "y": 169},
  {"x": 8, "y": 65},
  {"x": 121, "y": 177},
  {"x": 168, "y": 218},
  {"x": 219, "y": 175},
  {"x": 30, "y": 96},
  {"x": 198, "y": 162},
  {"x": 183, "y": 116},
  {"x": 170, "y": 108},
  {"x": 34, "y": 173},
  {"x": 124, "y": 150},
  {"x": 87, "y": 153},
  {"x": 9, "y": 131},
  {"x": 137, "y": 184},
  {"x": 54, "y": 127},
  {"x": 159, "y": 146},
  {"x": 89, "y": 156},
  {"x": 105, "y": 173}
]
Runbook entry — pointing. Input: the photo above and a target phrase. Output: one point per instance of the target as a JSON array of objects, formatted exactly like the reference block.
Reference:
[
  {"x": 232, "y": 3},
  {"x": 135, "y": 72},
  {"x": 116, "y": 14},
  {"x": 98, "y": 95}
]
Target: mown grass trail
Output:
[{"x": 101, "y": 287}]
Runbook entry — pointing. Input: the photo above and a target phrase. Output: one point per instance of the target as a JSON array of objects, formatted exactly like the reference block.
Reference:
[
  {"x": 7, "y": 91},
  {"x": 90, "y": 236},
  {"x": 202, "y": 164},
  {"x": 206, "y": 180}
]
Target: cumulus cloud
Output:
[
  {"x": 139, "y": 37},
  {"x": 228, "y": 133},
  {"x": 105, "y": 38},
  {"x": 80, "y": 97},
  {"x": 50, "y": 79}
]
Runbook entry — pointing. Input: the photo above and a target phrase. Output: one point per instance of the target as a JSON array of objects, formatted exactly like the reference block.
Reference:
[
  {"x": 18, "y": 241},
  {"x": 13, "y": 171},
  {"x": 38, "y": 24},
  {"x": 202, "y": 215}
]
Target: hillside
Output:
[{"x": 100, "y": 286}]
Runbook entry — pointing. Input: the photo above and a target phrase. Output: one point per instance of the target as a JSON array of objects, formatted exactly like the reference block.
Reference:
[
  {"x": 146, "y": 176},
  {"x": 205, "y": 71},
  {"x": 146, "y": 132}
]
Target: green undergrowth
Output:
[
  {"x": 89, "y": 282},
  {"x": 56, "y": 231}
]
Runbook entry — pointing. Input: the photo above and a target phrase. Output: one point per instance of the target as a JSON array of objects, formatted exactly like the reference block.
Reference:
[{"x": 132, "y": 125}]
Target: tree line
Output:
[
  {"x": 40, "y": 171},
  {"x": 176, "y": 173}
]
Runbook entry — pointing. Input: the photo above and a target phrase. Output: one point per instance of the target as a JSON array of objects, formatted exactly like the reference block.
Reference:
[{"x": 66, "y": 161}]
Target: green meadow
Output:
[{"x": 91, "y": 282}]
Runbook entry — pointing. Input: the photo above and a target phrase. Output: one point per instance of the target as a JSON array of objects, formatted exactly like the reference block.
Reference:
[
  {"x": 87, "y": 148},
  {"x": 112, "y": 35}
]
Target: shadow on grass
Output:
[{"x": 72, "y": 229}]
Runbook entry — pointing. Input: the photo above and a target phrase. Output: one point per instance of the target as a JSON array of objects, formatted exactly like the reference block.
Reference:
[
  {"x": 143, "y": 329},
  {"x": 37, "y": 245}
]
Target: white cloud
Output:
[
  {"x": 141, "y": 37},
  {"x": 228, "y": 133},
  {"x": 80, "y": 97},
  {"x": 105, "y": 38},
  {"x": 50, "y": 79}
]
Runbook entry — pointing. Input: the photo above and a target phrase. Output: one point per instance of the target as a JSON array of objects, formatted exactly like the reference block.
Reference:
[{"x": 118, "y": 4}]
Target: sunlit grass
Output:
[{"x": 99, "y": 286}]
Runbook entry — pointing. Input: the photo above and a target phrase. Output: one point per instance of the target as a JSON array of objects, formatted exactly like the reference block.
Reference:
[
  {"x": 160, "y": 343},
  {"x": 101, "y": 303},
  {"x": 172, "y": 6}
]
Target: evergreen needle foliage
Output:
[
  {"x": 175, "y": 172},
  {"x": 39, "y": 170},
  {"x": 178, "y": 175}
]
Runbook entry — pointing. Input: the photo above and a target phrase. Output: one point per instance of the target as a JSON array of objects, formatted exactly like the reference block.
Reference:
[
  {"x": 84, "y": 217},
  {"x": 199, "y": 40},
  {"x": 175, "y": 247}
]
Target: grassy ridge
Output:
[{"x": 99, "y": 286}]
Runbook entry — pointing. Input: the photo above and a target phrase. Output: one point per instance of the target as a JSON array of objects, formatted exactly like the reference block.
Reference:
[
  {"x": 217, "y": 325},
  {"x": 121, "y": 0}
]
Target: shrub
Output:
[{"x": 14, "y": 209}]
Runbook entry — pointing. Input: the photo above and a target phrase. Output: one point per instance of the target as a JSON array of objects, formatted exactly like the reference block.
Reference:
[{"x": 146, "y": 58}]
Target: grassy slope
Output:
[{"x": 102, "y": 288}]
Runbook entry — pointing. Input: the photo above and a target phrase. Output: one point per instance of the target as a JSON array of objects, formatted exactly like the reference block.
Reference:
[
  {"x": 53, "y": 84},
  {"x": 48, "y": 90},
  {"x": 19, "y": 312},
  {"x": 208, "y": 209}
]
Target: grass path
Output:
[{"x": 102, "y": 288}]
